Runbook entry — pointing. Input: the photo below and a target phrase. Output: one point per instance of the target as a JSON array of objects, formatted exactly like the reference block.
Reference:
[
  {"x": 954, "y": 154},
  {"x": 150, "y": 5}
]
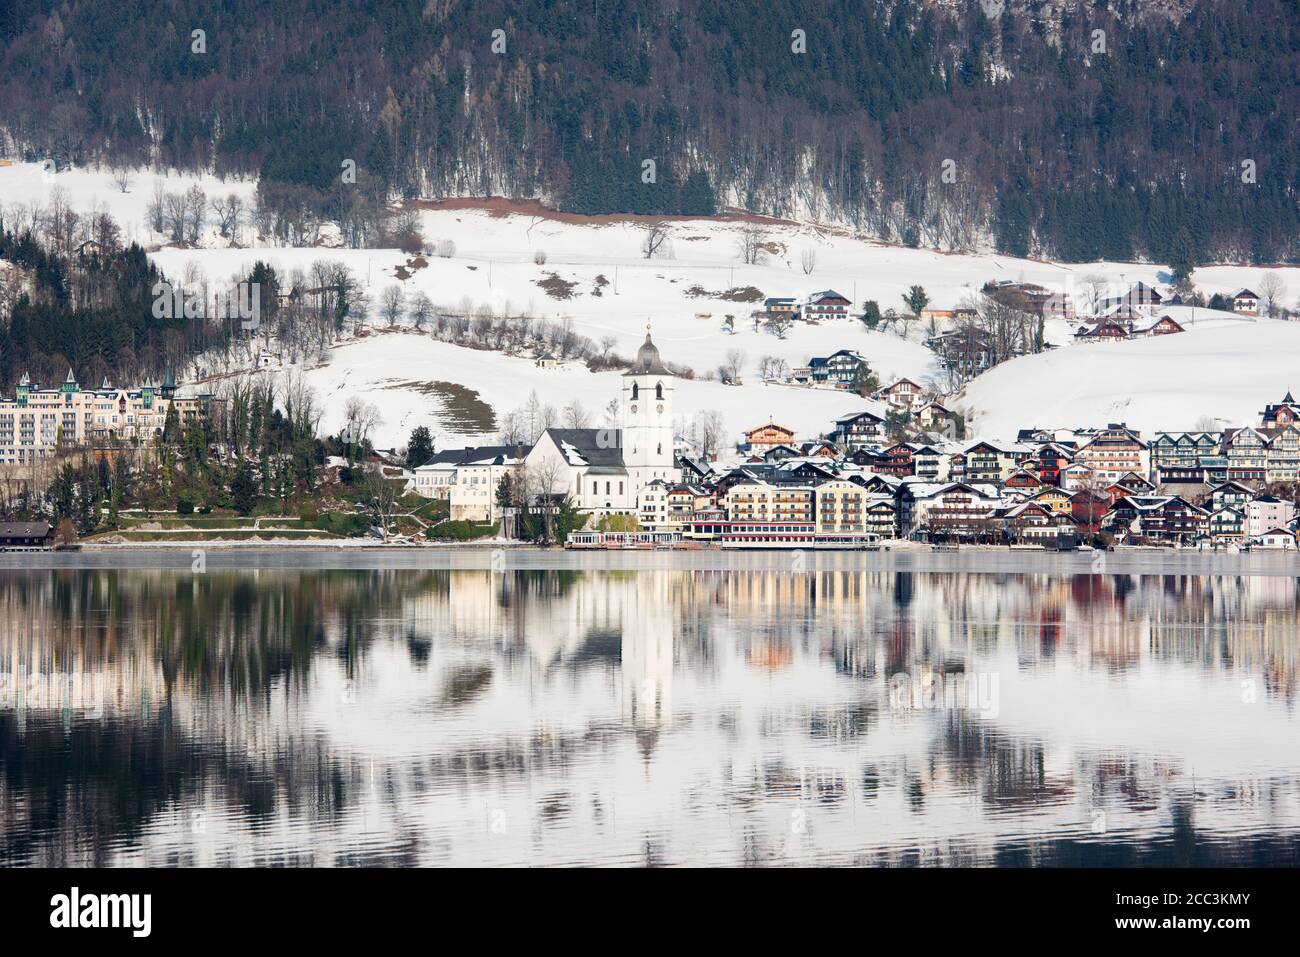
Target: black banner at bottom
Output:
[{"x": 340, "y": 907}]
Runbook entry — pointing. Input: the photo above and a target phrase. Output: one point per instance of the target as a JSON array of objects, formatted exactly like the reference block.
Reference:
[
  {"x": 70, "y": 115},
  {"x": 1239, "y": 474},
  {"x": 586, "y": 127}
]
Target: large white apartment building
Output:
[{"x": 38, "y": 422}]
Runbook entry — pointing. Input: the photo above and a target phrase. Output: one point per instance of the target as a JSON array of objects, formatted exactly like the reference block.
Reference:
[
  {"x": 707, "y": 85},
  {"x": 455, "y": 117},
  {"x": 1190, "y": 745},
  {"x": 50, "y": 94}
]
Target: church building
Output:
[{"x": 604, "y": 469}]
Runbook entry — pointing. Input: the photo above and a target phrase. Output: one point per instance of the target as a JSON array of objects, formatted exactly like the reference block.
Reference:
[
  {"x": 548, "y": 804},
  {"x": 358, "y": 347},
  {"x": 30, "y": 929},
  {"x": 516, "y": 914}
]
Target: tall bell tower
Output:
[{"x": 648, "y": 417}]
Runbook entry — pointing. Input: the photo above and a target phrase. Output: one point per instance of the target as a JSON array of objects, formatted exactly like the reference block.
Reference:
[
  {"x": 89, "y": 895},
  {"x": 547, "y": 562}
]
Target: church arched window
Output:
[
  {"x": 659, "y": 391},
  {"x": 635, "y": 391}
]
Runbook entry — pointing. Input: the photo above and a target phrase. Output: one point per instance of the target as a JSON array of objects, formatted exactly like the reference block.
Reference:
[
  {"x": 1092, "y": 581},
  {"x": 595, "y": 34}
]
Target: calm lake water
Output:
[{"x": 476, "y": 708}]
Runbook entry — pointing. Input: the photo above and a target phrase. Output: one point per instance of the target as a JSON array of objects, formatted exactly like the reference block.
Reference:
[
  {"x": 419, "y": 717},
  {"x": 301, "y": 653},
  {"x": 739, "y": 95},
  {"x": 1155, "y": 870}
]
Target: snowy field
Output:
[
  {"x": 1226, "y": 370},
  {"x": 1170, "y": 382}
]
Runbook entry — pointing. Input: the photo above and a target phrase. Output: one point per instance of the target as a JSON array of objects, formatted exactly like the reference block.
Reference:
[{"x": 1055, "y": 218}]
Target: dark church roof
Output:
[{"x": 595, "y": 448}]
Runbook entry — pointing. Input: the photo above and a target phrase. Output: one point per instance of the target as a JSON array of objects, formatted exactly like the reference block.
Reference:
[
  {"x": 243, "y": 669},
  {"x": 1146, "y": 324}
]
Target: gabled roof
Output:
[
  {"x": 596, "y": 448},
  {"x": 768, "y": 425},
  {"x": 854, "y": 417},
  {"x": 478, "y": 455}
]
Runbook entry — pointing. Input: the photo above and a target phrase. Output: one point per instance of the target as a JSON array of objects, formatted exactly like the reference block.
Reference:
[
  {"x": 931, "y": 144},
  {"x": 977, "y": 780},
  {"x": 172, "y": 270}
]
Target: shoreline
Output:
[{"x": 977, "y": 560}]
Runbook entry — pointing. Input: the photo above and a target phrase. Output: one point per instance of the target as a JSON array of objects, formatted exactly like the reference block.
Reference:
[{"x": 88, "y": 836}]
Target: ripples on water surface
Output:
[{"x": 679, "y": 710}]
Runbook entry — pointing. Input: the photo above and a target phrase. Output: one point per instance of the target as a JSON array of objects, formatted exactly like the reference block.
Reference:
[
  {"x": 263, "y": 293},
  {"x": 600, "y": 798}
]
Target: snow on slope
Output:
[
  {"x": 616, "y": 293},
  {"x": 395, "y": 372},
  {"x": 1227, "y": 369}
]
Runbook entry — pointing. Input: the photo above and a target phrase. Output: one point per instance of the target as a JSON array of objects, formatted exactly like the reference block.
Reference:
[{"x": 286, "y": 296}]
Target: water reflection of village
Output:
[{"x": 676, "y": 716}]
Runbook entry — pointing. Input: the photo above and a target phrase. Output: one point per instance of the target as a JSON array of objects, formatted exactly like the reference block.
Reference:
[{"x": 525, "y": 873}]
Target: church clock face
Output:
[
  {"x": 634, "y": 407},
  {"x": 660, "y": 409}
]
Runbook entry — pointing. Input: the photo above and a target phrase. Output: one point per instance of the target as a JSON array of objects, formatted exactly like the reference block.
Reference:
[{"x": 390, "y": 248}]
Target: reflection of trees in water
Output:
[
  {"x": 78, "y": 795},
  {"x": 234, "y": 632},
  {"x": 231, "y": 637}
]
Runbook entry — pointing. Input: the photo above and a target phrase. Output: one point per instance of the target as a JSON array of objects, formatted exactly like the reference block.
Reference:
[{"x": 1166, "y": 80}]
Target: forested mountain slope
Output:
[{"x": 1056, "y": 148}]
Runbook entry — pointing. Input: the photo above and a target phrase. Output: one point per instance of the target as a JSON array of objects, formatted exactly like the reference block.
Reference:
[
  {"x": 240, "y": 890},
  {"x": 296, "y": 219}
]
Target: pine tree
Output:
[
  {"x": 419, "y": 448},
  {"x": 243, "y": 489}
]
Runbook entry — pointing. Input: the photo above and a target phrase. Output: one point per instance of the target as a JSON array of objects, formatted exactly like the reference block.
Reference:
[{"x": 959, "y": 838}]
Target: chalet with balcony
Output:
[
  {"x": 825, "y": 305},
  {"x": 859, "y": 430},
  {"x": 766, "y": 436},
  {"x": 839, "y": 369}
]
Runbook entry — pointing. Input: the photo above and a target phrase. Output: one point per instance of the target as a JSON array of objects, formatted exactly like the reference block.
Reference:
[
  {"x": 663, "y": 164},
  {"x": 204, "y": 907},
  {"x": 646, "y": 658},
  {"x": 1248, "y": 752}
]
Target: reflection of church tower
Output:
[
  {"x": 647, "y": 657},
  {"x": 648, "y": 417}
]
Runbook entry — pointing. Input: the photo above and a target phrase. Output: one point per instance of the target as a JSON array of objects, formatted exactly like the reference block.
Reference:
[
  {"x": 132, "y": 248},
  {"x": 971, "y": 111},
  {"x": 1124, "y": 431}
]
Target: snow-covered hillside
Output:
[
  {"x": 595, "y": 276},
  {"x": 1225, "y": 369}
]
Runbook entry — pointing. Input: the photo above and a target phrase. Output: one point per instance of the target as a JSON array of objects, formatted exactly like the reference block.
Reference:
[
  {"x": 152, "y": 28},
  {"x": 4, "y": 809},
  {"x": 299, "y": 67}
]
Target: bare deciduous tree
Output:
[
  {"x": 734, "y": 365},
  {"x": 750, "y": 244},
  {"x": 381, "y": 497},
  {"x": 808, "y": 260},
  {"x": 393, "y": 304},
  {"x": 656, "y": 235},
  {"x": 1271, "y": 291}
]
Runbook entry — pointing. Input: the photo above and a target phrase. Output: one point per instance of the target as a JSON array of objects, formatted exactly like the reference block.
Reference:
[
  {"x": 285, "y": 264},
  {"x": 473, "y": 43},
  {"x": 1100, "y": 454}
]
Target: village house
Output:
[
  {"x": 881, "y": 516},
  {"x": 1245, "y": 301},
  {"x": 897, "y": 460},
  {"x": 839, "y": 369},
  {"x": 1025, "y": 481},
  {"x": 1106, "y": 330},
  {"x": 825, "y": 305},
  {"x": 960, "y": 509},
  {"x": 1267, "y": 512},
  {"x": 1231, "y": 495},
  {"x": 840, "y": 506},
  {"x": 1139, "y": 295},
  {"x": 930, "y": 463},
  {"x": 766, "y": 436},
  {"x": 1164, "y": 326},
  {"x": 934, "y": 417},
  {"x": 1114, "y": 450},
  {"x": 760, "y": 502},
  {"x": 1227, "y": 524},
  {"x": 1282, "y": 455},
  {"x": 859, "y": 430},
  {"x": 669, "y": 506},
  {"x": 1277, "y": 415},
  {"x": 902, "y": 394},
  {"x": 1247, "y": 452},
  {"x": 781, "y": 308},
  {"x": 1076, "y": 476},
  {"x": 1055, "y": 500},
  {"x": 1032, "y": 523},
  {"x": 961, "y": 314},
  {"x": 1088, "y": 509},
  {"x": 1048, "y": 459},
  {"x": 1281, "y": 538},
  {"x": 468, "y": 478},
  {"x": 1180, "y": 450},
  {"x": 21, "y": 536},
  {"x": 1130, "y": 483},
  {"x": 1030, "y": 297},
  {"x": 1158, "y": 518},
  {"x": 987, "y": 462}
]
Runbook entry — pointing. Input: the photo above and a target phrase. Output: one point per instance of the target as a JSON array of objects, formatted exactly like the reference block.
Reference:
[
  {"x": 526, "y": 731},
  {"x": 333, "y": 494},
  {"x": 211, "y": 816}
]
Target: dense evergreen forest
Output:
[{"x": 1169, "y": 135}]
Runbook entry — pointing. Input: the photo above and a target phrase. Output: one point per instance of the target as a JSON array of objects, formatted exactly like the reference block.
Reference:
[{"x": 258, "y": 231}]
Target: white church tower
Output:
[{"x": 648, "y": 418}]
